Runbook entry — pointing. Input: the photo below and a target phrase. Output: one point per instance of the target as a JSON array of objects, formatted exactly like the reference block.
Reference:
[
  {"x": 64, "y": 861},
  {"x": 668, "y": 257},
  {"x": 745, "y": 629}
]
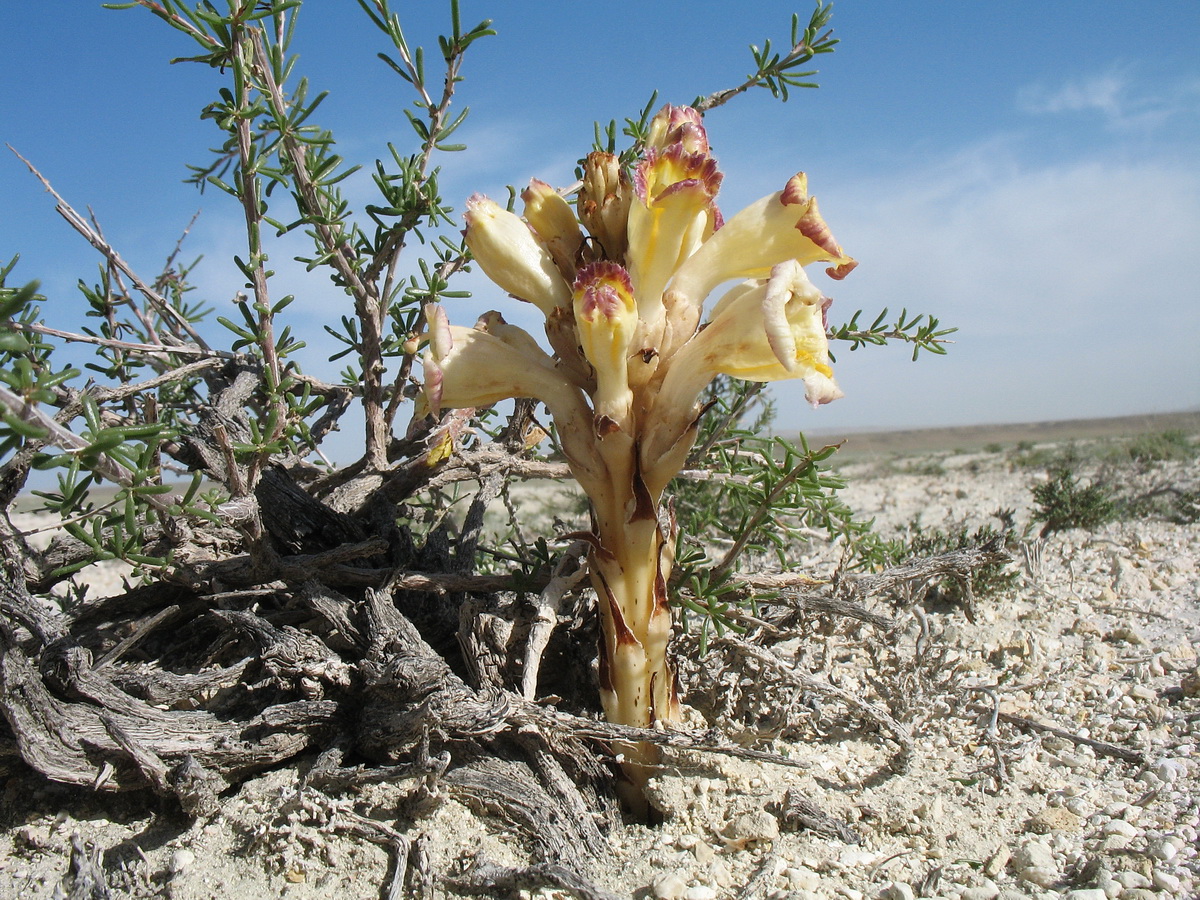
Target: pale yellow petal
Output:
[{"x": 511, "y": 256}]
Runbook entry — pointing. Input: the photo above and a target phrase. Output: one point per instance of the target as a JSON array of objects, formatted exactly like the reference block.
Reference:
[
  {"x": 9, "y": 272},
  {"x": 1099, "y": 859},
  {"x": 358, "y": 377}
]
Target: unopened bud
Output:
[
  {"x": 552, "y": 218},
  {"x": 604, "y": 203}
]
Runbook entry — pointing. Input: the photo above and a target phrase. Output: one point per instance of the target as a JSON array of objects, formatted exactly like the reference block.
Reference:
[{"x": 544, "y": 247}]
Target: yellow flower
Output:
[
  {"x": 483, "y": 365},
  {"x": 673, "y": 213},
  {"x": 607, "y": 320},
  {"x": 762, "y": 330},
  {"x": 494, "y": 361},
  {"x": 786, "y": 225},
  {"x": 511, "y": 255},
  {"x": 554, "y": 223}
]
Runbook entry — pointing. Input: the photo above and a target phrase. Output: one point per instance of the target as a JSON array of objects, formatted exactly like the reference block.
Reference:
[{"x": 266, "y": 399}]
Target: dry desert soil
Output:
[{"x": 1053, "y": 739}]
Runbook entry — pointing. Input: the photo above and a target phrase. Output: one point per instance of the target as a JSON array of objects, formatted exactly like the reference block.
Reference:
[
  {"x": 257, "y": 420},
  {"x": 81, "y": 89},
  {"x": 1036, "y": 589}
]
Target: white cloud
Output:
[
  {"x": 1073, "y": 286},
  {"x": 1116, "y": 96},
  {"x": 1103, "y": 93}
]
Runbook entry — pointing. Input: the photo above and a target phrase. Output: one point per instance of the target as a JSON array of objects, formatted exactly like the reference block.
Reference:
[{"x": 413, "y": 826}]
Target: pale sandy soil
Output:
[{"x": 1098, "y": 637}]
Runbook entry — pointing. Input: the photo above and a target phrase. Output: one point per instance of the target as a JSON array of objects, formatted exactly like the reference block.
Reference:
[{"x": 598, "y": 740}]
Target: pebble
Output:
[
  {"x": 181, "y": 861},
  {"x": 1115, "y": 843},
  {"x": 701, "y": 892},
  {"x": 1169, "y": 770},
  {"x": 719, "y": 874},
  {"x": 1070, "y": 760},
  {"x": 1086, "y": 894},
  {"x": 1125, "y": 634},
  {"x": 802, "y": 878},
  {"x": 1033, "y": 855},
  {"x": 982, "y": 892},
  {"x": 1121, "y": 827},
  {"x": 1131, "y": 880},
  {"x": 898, "y": 890},
  {"x": 1077, "y": 805},
  {"x": 1165, "y": 881},
  {"x": 669, "y": 887},
  {"x": 1164, "y": 850},
  {"x": 854, "y": 858},
  {"x": 1105, "y": 882},
  {"x": 1053, "y": 818},
  {"x": 749, "y": 827},
  {"x": 703, "y": 852},
  {"x": 996, "y": 863},
  {"x": 1042, "y": 876}
]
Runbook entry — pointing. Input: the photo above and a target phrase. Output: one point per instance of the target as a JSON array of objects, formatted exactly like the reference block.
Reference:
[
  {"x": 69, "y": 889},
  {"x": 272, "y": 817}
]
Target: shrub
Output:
[
  {"x": 270, "y": 540},
  {"x": 1164, "y": 446},
  {"x": 1065, "y": 502},
  {"x": 987, "y": 580}
]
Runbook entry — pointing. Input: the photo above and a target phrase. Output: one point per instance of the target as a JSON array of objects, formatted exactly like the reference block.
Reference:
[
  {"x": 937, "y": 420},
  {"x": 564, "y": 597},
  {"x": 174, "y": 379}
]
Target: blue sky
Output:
[{"x": 1026, "y": 171}]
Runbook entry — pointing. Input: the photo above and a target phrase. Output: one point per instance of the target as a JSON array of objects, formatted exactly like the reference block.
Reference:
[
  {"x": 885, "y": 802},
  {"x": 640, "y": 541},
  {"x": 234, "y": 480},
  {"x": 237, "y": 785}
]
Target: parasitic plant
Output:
[{"x": 622, "y": 280}]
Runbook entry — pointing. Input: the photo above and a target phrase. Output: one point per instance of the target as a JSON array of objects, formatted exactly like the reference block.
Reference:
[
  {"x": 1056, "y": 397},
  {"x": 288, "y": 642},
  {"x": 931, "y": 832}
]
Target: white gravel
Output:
[{"x": 1099, "y": 639}]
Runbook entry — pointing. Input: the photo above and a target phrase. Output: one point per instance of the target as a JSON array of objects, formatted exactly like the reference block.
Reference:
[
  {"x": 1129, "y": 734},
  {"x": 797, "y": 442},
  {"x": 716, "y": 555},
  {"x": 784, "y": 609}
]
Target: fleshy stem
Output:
[{"x": 630, "y": 568}]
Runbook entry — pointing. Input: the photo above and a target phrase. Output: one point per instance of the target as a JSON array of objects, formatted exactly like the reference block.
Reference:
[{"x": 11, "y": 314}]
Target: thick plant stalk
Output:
[
  {"x": 630, "y": 567},
  {"x": 623, "y": 304}
]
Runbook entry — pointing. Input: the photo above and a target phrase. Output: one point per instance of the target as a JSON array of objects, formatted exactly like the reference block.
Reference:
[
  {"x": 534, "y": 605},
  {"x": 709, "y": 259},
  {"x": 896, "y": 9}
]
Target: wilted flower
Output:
[{"x": 604, "y": 201}]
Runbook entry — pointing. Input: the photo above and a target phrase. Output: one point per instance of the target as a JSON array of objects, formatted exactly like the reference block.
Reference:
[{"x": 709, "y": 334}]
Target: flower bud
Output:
[
  {"x": 678, "y": 125},
  {"x": 604, "y": 203},
  {"x": 551, "y": 218},
  {"x": 512, "y": 257}
]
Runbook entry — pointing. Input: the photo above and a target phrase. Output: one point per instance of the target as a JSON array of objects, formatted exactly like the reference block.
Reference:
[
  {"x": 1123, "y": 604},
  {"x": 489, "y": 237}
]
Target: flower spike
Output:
[{"x": 623, "y": 307}]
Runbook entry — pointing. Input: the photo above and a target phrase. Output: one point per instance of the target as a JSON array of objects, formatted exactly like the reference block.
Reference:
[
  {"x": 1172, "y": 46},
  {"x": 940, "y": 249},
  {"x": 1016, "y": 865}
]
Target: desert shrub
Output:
[
  {"x": 766, "y": 499},
  {"x": 932, "y": 467},
  {"x": 1028, "y": 456},
  {"x": 1163, "y": 446},
  {"x": 1186, "y": 508},
  {"x": 920, "y": 541},
  {"x": 1178, "y": 503},
  {"x": 1064, "y": 502}
]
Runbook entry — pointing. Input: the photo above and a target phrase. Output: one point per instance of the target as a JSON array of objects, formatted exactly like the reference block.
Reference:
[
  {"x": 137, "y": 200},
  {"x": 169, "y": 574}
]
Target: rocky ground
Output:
[{"x": 1055, "y": 750}]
